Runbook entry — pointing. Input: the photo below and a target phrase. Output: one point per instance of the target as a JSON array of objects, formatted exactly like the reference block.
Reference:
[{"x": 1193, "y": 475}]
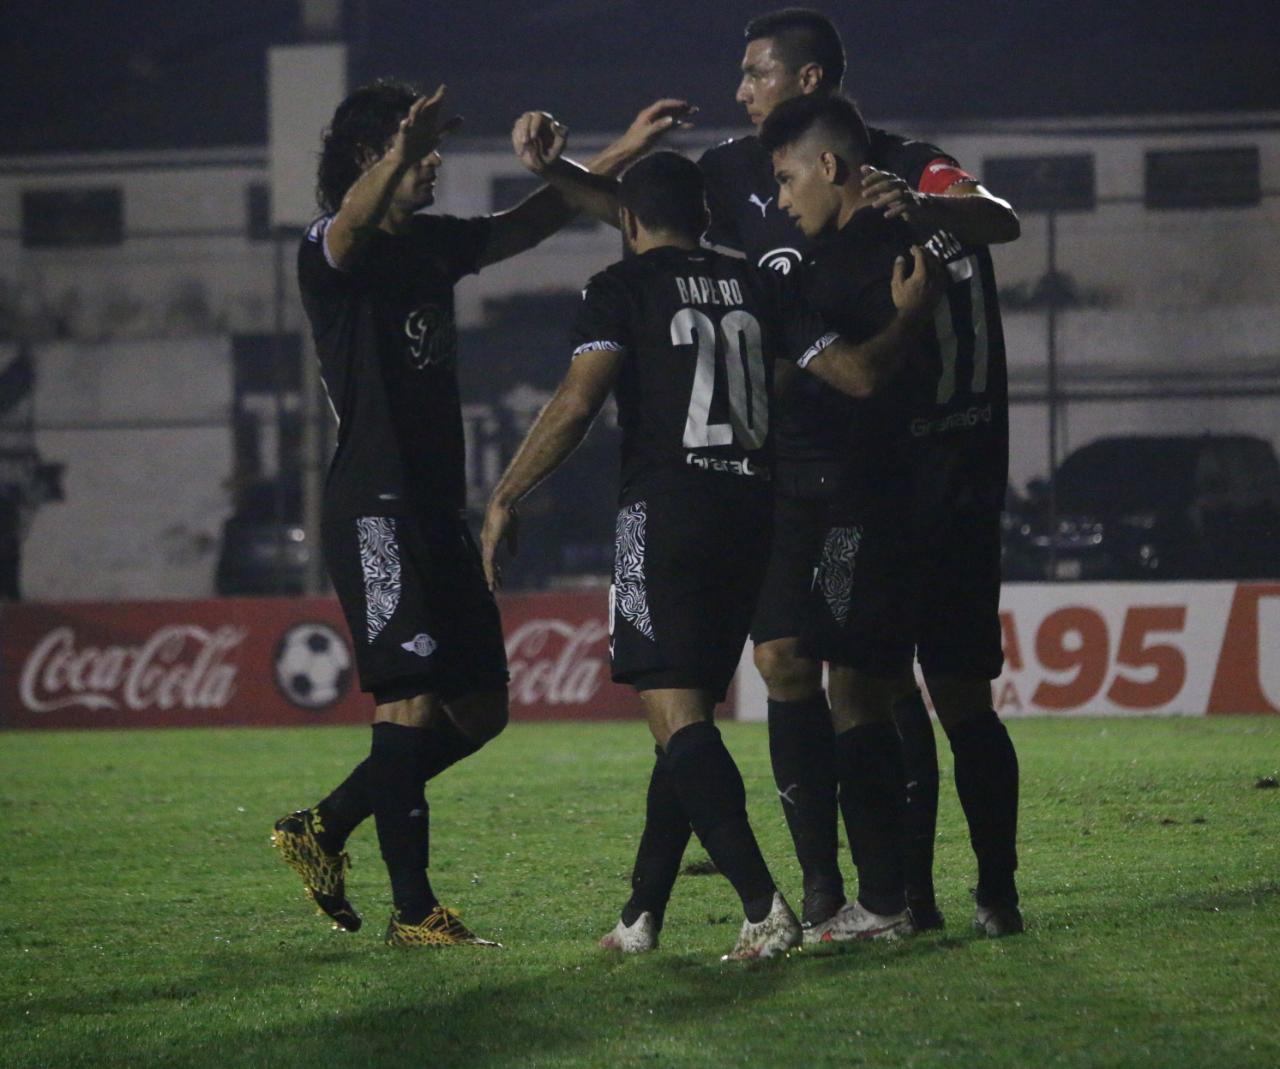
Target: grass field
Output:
[{"x": 147, "y": 922}]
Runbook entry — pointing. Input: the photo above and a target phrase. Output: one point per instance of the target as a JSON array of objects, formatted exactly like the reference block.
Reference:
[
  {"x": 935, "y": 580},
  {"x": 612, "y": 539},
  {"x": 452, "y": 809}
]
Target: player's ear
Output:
[
  {"x": 834, "y": 170},
  {"x": 630, "y": 224},
  {"x": 810, "y": 78}
]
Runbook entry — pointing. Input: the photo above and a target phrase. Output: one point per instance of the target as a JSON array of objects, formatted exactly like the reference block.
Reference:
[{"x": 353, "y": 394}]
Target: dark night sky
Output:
[{"x": 86, "y": 74}]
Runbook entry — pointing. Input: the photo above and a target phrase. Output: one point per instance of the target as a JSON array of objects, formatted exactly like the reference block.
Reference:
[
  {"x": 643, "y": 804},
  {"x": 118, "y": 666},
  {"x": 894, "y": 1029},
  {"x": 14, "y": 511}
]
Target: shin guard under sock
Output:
[
  {"x": 873, "y": 800},
  {"x": 986, "y": 771},
  {"x": 346, "y": 806},
  {"x": 920, "y": 758},
  {"x": 401, "y": 815},
  {"x": 802, "y": 751},
  {"x": 711, "y": 791},
  {"x": 666, "y": 834}
]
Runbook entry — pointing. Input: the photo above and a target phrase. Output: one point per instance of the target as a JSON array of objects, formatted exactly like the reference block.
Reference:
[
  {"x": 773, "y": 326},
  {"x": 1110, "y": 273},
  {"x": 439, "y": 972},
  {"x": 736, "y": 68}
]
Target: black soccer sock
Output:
[
  {"x": 986, "y": 771},
  {"x": 666, "y": 834},
  {"x": 342, "y": 811},
  {"x": 444, "y": 745},
  {"x": 711, "y": 791},
  {"x": 873, "y": 801},
  {"x": 920, "y": 757},
  {"x": 401, "y": 815},
  {"x": 802, "y": 749}
]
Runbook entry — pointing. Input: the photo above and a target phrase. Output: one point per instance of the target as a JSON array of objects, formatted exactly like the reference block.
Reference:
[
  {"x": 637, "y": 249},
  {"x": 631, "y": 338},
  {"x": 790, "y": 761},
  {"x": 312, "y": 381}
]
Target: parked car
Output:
[
  {"x": 1132, "y": 507},
  {"x": 264, "y": 545}
]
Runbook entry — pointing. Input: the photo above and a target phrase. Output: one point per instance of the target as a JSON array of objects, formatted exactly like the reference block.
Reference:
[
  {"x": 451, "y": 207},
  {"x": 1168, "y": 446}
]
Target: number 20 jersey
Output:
[{"x": 699, "y": 331}]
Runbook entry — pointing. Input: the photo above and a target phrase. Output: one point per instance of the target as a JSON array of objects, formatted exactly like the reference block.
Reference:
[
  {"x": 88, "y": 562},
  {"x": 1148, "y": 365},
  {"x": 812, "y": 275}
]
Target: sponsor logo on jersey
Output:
[
  {"x": 763, "y": 205},
  {"x": 726, "y": 465},
  {"x": 970, "y": 417},
  {"x": 781, "y": 259},
  {"x": 433, "y": 339}
]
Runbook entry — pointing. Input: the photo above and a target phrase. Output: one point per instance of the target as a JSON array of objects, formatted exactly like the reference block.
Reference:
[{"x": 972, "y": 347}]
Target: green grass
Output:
[{"x": 146, "y": 922}]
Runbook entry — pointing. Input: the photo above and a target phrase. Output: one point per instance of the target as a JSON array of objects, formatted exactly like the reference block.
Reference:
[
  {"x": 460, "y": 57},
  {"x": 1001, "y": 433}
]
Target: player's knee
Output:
[
  {"x": 481, "y": 718},
  {"x": 784, "y": 670}
]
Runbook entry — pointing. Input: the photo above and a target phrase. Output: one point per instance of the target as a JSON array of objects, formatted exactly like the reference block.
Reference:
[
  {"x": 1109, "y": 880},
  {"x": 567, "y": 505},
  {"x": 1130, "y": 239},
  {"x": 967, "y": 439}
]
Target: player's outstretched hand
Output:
[
  {"x": 917, "y": 294},
  {"x": 501, "y": 524},
  {"x": 657, "y": 119},
  {"x": 538, "y": 139},
  {"x": 422, "y": 130},
  {"x": 893, "y": 194}
]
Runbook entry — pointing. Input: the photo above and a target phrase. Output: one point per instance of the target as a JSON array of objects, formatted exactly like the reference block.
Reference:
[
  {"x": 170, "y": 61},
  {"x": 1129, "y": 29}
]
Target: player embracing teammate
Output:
[{"x": 852, "y": 753}]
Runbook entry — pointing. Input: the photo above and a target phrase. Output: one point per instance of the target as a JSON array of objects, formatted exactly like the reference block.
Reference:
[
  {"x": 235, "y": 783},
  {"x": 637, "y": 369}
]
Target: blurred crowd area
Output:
[{"x": 161, "y": 435}]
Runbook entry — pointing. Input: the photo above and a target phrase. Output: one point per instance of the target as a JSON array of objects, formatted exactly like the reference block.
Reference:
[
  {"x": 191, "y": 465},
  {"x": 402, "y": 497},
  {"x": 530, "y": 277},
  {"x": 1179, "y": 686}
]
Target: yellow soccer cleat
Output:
[
  {"x": 324, "y": 875},
  {"x": 442, "y": 927}
]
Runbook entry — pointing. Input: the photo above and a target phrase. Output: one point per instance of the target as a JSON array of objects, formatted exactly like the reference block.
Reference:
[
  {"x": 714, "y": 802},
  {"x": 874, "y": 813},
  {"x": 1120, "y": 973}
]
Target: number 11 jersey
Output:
[{"x": 699, "y": 332}]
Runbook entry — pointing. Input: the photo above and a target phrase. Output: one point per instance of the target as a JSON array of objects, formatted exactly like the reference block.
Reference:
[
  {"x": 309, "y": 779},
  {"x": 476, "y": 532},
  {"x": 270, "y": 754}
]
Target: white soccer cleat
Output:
[
  {"x": 640, "y": 937},
  {"x": 776, "y": 934},
  {"x": 854, "y": 921}
]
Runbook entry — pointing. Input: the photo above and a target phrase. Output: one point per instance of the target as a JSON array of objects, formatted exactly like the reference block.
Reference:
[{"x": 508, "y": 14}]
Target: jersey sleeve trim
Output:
[
  {"x": 319, "y": 233},
  {"x": 607, "y": 346},
  {"x": 941, "y": 174},
  {"x": 814, "y": 350}
]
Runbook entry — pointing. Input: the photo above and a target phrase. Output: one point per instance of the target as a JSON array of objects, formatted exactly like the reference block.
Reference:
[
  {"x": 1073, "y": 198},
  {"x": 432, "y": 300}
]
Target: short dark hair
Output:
[
  {"x": 364, "y": 123},
  {"x": 666, "y": 192},
  {"x": 792, "y": 119},
  {"x": 802, "y": 36}
]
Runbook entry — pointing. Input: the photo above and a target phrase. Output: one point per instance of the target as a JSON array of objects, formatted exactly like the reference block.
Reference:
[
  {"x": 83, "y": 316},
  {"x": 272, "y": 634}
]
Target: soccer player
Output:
[
  {"x": 685, "y": 337},
  {"x": 791, "y": 53},
  {"x": 910, "y": 550},
  {"x": 377, "y": 282}
]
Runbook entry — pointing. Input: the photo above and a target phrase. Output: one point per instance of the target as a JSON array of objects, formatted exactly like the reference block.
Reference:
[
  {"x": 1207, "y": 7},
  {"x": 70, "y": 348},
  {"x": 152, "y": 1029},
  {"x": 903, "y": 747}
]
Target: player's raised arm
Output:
[
  {"x": 965, "y": 208},
  {"x": 862, "y": 369},
  {"x": 367, "y": 202},
  {"x": 554, "y": 435},
  {"x": 593, "y": 188}
]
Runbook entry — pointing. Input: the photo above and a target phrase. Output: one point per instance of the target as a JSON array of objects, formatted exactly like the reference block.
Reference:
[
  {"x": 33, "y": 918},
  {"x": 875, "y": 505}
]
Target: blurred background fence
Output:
[{"x": 162, "y": 433}]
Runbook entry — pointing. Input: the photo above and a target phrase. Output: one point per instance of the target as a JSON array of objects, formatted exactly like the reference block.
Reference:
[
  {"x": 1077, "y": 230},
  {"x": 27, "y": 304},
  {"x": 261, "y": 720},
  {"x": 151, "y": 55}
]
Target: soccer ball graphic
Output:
[{"x": 313, "y": 665}]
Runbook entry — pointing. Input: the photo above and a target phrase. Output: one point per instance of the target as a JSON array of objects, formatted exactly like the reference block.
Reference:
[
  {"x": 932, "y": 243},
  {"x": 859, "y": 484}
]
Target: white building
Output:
[{"x": 1166, "y": 236}]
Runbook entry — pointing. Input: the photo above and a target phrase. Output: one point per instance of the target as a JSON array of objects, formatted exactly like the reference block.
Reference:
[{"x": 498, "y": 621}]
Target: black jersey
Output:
[
  {"x": 384, "y": 332},
  {"x": 743, "y": 198},
  {"x": 957, "y": 394},
  {"x": 699, "y": 331}
]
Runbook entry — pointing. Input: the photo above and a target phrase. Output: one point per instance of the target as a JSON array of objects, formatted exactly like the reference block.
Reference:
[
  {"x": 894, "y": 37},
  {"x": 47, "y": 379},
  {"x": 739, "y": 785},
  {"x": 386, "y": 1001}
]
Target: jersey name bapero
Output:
[{"x": 698, "y": 289}]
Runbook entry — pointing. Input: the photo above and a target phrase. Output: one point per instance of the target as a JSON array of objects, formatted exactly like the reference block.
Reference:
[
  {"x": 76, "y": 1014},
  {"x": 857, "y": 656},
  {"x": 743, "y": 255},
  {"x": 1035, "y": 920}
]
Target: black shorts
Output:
[
  {"x": 801, "y": 512},
  {"x": 913, "y": 574},
  {"x": 413, "y": 592},
  {"x": 687, "y": 571}
]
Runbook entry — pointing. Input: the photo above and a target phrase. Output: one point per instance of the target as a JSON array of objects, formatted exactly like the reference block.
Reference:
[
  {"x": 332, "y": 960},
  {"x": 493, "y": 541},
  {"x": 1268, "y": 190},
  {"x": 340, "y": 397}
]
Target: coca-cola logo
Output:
[
  {"x": 556, "y": 662},
  {"x": 181, "y": 666}
]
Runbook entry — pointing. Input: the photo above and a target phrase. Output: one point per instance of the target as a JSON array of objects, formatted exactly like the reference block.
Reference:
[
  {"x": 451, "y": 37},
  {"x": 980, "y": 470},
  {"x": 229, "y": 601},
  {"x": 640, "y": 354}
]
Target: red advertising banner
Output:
[
  {"x": 1124, "y": 649},
  {"x": 274, "y": 661}
]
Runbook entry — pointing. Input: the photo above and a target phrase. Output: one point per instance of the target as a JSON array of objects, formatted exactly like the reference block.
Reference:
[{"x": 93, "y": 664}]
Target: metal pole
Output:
[
  {"x": 1052, "y": 388},
  {"x": 314, "y": 461}
]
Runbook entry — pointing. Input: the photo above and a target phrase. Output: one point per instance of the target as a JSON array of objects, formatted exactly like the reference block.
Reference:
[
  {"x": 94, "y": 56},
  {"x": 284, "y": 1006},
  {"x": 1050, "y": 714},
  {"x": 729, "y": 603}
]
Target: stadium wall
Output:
[{"x": 1071, "y": 649}]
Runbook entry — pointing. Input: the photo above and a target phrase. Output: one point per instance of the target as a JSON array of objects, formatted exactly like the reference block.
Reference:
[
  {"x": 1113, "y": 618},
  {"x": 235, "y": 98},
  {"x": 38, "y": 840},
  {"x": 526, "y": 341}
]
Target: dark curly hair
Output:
[{"x": 364, "y": 122}]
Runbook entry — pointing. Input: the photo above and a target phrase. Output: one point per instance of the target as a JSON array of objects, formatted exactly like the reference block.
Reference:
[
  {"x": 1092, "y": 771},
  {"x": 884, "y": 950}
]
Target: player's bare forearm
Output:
[
  {"x": 364, "y": 208},
  {"x": 555, "y": 434},
  {"x": 974, "y": 215},
  {"x": 862, "y": 369},
  {"x": 529, "y": 223},
  {"x": 594, "y": 193}
]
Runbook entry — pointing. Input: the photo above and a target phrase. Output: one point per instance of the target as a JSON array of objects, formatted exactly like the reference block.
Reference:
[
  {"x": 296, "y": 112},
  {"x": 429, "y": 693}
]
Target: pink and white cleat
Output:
[
  {"x": 776, "y": 934},
  {"x": 854, "y": 921},
  {"x": 636, "y": 939}
]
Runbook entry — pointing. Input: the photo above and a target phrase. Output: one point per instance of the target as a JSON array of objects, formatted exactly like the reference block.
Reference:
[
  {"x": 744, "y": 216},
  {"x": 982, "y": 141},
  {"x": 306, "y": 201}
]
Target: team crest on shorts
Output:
[{"x": 423, "y": 645}]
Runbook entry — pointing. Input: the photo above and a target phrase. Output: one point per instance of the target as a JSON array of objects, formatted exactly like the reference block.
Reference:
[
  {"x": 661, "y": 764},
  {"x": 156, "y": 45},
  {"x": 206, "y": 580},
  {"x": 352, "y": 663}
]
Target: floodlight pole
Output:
[{"x": 1051, "y": 219}]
